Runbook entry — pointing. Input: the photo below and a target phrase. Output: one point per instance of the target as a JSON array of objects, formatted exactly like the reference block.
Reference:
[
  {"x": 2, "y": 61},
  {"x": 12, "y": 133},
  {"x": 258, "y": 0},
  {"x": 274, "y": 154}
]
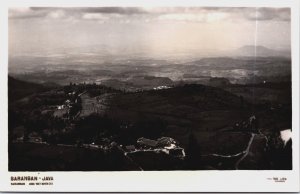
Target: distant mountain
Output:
[
  {"x": 261, "y": 51},
  {"x": 219, "y": 82},
  {"x": 150, "y": 81},
  {"x": 138, "y": 82}
]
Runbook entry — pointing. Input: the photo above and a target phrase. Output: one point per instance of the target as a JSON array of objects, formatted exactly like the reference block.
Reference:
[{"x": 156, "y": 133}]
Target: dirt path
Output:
[
  {"x": 246, "y": 152},
  {"x": 228, "y": 156},
  {"x": 130, "y": 159}
]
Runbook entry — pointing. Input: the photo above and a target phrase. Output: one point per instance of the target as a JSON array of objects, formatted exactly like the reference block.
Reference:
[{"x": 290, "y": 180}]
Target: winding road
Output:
[{"x": 246, "y": 152}]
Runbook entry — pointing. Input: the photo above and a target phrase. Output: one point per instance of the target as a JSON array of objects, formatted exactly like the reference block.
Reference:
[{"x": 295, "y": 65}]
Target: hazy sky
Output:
[{"x": 154, "y": 30}]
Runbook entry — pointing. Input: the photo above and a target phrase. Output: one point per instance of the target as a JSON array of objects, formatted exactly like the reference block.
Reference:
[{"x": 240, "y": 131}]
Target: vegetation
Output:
[{"x": 205, "y": 120}]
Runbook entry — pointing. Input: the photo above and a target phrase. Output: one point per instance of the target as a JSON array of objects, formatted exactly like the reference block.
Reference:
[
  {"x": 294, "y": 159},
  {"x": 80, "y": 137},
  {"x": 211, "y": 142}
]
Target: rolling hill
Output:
[{"x": 18, "y": 89}]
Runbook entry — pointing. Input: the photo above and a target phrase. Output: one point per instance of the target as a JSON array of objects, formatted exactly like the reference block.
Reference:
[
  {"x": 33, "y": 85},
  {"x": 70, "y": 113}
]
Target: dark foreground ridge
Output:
[{"x": 90, "y": 127}]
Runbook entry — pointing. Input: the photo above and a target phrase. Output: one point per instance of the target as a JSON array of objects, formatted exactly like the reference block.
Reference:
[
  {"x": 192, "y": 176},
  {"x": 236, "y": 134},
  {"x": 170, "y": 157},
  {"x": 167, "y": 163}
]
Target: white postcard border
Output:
[{"x": 164, "y": 181}]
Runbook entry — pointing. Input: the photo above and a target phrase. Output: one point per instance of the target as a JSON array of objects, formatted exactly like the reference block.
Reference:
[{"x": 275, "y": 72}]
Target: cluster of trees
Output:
[
  {"x": 98, "y": 128},
  {"x": 37, "y": 116},
  {"x": 93, "y": 89},
  {"x": 144, "y": 126},
  {"x": 95, "y": 127}
]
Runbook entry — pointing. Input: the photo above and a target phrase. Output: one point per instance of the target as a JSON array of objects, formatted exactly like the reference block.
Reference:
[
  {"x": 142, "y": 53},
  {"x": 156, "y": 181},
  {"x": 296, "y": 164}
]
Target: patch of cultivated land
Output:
[
  {"x": 272, "y": 92},
  {"x": 92, "y": 105},
  {"x": 204, "y": 111}
]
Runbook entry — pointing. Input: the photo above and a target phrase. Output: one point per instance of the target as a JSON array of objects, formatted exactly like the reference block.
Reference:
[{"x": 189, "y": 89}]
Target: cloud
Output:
[
  {"x": 93, "y": 16},
  {"x": 24, "y": 13},
  {"x": 56, "y": 14},
  {"x": 282, "y": 14},
  {"x": 33, "y": 13},
  {"x": 114, "y": 10},
  {"x": 187, "y": 14},
  {"x": 186, "y": 17}
]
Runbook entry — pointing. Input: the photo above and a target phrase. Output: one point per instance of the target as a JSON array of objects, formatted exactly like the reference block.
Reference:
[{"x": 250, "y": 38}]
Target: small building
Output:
[
  {"x": 60, "y": 107},
  {"x": 130, "y": 148},
  {"x": 166, "y": 142},
  {"x": 147, "y": 142}
]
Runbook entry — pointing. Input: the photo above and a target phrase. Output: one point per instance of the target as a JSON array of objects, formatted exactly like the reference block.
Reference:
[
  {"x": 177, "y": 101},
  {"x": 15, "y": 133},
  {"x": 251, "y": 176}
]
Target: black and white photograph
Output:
[{"x": 150, "y": 88}]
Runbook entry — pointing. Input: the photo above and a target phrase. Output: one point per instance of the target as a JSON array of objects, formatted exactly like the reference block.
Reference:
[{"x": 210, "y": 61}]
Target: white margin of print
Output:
[{"x": 154, "y": 181}]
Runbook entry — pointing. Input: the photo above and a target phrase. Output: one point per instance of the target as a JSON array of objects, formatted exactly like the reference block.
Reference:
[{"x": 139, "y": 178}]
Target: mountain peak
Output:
[{"x": 261, "y": 51}]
